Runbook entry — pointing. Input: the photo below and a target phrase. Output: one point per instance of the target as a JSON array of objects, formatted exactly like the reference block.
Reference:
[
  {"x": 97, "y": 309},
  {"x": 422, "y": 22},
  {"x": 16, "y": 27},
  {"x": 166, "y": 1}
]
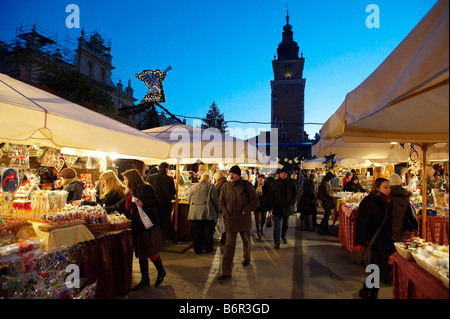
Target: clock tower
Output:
[{"x": 288, "y": 87}]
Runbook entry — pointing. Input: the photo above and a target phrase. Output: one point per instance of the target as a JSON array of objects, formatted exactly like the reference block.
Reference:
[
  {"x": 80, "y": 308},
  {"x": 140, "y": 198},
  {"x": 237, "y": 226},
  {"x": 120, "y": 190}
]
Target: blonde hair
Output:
[
  {"x": 112, "y": 183},
  {"x": 205, "y": 177}
]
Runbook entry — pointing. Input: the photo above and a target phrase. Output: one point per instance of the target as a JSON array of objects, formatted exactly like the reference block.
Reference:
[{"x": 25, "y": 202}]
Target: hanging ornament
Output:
[
  {"x": 329, "y": 161},
  {"x": 153, "y": 80},
  {"x": 413, "y": 155}
]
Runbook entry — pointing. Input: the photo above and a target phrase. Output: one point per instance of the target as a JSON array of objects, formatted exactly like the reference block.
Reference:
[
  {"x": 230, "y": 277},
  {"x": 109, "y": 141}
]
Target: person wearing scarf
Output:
[
  {"x": 371, "y": 214},
  {"x": 147, "y": 242},
  {"x": 71, "y": 184}
]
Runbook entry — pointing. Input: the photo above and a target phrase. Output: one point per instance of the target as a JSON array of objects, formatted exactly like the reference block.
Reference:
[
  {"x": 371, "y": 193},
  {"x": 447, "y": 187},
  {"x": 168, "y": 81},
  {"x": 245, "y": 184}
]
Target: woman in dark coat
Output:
[
  {"x": 147, "y": 242},
  {"x": 262, "y": 191},
  {"x": 307, "y": 203},
  {"x": 373, "y": 210},
  {"x": 327, "y": 202}
]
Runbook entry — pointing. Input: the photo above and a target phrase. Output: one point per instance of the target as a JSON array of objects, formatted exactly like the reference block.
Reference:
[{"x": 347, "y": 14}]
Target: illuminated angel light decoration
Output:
[
  {"x": 329, "y": 161},
  {"x": 153, "y": 80}
]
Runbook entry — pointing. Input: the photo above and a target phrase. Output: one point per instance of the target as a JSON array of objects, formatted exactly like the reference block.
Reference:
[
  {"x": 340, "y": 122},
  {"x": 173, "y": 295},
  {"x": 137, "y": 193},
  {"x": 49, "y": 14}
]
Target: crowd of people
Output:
[{"x": 384, "y": 214}]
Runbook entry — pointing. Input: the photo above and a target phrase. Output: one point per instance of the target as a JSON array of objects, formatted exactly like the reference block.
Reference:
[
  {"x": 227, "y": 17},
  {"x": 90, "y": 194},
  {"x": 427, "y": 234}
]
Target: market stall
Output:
[
  {"x": 405, "y": 100},
  {"x": 37, "y": 142}
]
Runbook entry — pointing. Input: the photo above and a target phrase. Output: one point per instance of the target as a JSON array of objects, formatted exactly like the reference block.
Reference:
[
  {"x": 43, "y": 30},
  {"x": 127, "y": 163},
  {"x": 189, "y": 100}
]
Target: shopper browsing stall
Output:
[
  {"x": 111, "y": 191},
  {"x": 354, "y": 186},
  {"x": 140, "y": 205},
  {"x": 69, "y": 182},
  {"x": 203, "y": 210},
  {"x": 374, "y": 224}
]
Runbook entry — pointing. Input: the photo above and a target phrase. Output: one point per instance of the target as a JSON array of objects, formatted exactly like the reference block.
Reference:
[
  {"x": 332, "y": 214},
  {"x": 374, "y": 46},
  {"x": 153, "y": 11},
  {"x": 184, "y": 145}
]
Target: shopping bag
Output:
[
  {"x": 269, "y": 220},
  {"x": 220, "y": 228},
  {"x": 144, "y": 217}
]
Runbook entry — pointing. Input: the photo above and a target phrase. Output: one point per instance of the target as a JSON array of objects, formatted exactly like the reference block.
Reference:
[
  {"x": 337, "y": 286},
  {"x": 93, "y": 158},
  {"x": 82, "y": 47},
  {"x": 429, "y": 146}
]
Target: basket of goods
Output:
[
  {"x": 432, "y": 258},
  {"x": 118, "y": 221},
  {"x": 12, "y": 225},
  {"x": 443, "y": 276},
  {"x": 405, "y": 249}
]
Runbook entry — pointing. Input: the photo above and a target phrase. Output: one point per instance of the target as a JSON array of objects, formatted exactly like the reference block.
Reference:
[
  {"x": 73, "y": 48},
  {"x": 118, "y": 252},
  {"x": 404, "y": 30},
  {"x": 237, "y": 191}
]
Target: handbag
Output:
[
  {"x": 362, "y": 257},
  {"x": 269, "y": 220}
]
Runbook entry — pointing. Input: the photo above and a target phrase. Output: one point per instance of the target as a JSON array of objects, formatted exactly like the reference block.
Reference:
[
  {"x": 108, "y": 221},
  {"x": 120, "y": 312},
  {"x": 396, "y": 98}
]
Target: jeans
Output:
[{"x": 276, "y": 228}]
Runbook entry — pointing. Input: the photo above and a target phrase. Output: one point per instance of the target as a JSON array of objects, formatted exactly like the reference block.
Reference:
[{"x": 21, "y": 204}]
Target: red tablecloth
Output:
[
  {"x": 437, "y": 229},
  {"x": 347, "y": 226},
  {"x": 413, "y": 282}
]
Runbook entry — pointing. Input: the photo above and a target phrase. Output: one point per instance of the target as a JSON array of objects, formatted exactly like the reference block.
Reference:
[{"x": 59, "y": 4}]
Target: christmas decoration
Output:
[
  {"x": 329, "y": 161},
  {"x": 153, "y": 80}
]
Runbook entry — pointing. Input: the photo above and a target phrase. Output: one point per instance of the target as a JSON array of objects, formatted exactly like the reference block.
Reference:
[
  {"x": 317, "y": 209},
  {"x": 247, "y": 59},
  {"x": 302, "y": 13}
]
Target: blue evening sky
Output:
[{"x": 222, "y": 50}]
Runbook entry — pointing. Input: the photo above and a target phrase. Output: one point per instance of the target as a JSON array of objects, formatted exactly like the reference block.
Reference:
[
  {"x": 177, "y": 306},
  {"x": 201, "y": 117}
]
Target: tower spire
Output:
[{"x": 287, "y": 14}]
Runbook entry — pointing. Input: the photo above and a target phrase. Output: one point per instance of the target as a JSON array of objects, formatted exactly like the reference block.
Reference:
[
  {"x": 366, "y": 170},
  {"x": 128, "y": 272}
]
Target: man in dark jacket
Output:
[
  {"x": 354, "y": 186},
  {"x": 237, "y": 200},
  {"x": 282, "y": 199},
  {"x": 327, "y": 202},
  {"x": 165, "y": 191}
]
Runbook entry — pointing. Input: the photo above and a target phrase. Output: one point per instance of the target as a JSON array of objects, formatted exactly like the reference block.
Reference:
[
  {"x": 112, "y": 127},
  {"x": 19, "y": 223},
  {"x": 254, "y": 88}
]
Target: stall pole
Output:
[
  {"x": 177, "y": 176},
  {"x": 424, "y": 189}
]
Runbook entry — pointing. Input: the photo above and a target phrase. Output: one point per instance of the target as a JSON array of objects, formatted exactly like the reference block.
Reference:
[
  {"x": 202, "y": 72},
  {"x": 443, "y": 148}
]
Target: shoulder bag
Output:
[{"x": 362, "y": 257}]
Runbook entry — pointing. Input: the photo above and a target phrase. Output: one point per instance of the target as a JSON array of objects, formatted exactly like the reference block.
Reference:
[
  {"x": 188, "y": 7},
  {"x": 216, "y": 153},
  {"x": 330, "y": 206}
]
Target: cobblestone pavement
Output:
[{"x": 309, "y": 266}]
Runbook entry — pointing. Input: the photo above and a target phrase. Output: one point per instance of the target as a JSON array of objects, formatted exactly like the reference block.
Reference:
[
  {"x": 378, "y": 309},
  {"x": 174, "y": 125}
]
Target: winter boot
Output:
[
  {"x": 161, "y": 271},
  {"x": 145, "y": 281}
]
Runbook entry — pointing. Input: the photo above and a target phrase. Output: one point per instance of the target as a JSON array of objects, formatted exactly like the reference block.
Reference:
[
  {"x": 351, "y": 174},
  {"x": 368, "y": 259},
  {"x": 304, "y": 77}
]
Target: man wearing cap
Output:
[
  {"x": 237, "y": 200},
  {"x": 282, "y": 199}
]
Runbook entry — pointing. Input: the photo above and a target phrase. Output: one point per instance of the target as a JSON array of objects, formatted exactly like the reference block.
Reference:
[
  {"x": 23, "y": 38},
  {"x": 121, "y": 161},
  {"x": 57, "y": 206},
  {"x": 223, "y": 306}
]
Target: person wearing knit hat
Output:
[
  {"x": 400, "y": 205},
  {"x": 68, "y": 173},
  {"x": 283, "y": 196},
  {"x": 235, "y": 169},
  {"x": 395, "y": 179},
  {"x": 71, "y": 184},
  {"x": 237, "y": 200}
]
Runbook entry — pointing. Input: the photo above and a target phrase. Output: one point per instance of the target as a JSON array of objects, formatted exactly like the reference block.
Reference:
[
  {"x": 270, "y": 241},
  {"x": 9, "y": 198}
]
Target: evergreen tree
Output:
[{"x": 214, "y": 119}]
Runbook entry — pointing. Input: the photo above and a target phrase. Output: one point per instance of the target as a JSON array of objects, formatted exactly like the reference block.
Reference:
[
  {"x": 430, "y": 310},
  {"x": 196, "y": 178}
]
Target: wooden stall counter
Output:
[{"x": 413, "y": 282}]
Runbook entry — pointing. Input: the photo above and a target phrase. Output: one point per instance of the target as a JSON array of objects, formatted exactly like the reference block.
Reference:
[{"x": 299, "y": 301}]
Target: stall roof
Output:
[
  {"x": 191, "y": 144},
  {"x": 33, "y": 116},
  {"x": 406, "y": 99}
]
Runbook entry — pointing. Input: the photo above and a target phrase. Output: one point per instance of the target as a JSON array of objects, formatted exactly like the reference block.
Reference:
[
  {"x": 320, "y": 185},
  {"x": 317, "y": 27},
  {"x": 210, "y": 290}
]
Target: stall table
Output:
[
  {"x": 107, "y": 259},
  {"x": 60, "y": 237},
  {"x": 347, "y": 226},
  {"x": 183, "y": 225},
  {"x": 413, "y": 282}
]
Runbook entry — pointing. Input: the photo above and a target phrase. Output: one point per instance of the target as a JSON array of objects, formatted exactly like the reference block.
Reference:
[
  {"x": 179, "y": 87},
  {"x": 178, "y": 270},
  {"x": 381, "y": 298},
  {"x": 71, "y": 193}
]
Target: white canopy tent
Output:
[
  {"x": 193, "y": 144},
  {"x": 406, "y": 99},
  {"x": 33, "y": 116}
]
